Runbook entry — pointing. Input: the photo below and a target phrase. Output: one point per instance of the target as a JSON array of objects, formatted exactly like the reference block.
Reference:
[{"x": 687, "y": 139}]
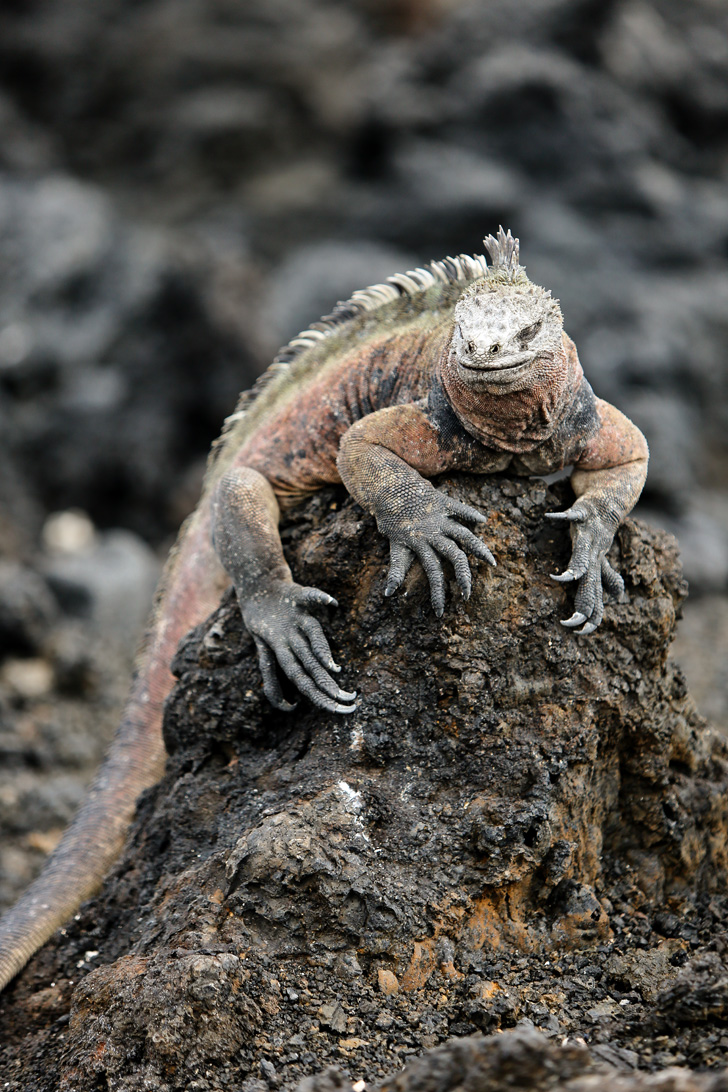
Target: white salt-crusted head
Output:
[{"x": 503, "y": 324}]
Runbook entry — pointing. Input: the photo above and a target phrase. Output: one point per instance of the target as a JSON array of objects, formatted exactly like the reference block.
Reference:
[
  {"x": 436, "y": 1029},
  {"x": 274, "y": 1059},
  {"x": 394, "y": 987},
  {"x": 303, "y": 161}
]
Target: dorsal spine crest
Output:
[{"x": 504, "y": 251}]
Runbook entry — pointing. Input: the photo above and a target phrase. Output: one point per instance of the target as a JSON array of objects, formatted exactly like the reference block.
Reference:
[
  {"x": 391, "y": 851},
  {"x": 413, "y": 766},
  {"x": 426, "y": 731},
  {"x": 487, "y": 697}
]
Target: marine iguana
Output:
[{"x": 458, "y": 365}]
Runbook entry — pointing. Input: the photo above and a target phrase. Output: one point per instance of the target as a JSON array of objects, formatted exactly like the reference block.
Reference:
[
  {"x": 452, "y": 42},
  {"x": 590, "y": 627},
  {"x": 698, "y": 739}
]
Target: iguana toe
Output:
[
  {"x": 433, "y": 569},
  {"x": 271, "y": 684},
  {"x": 612, "y": 581},
  {"x": 400, "y": 561}
]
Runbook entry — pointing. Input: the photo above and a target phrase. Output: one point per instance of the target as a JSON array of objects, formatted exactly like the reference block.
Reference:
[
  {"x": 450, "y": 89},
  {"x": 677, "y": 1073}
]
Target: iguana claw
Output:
[
  {"x": 287, "y": 636},
  {"x": 592, "y": 534},
  {"x": 430, "y": 532},
  {"x": 576, "y": 619}
]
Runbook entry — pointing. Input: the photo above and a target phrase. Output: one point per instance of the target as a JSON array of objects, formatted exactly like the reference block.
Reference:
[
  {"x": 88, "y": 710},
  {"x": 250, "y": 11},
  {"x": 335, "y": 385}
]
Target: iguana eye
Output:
[
  {"x": 494, "y": 349},
  {"x": 529, "y": 332}
]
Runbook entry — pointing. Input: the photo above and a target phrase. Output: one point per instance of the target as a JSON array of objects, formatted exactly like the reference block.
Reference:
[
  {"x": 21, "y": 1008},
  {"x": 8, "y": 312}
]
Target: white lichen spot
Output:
[
  {"x": 87, "y": 957},
  {"x": 356, "y": 740},
  {"x": 351, "y": 796},
  {"x": 354, "y": 803}
]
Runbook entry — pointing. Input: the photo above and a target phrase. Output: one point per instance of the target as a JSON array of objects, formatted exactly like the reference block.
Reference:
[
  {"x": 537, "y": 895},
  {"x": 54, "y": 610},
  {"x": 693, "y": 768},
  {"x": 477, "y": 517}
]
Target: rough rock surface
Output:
[
  {"x": 515, "y": 826},
  {"x": 523, "y": 1059}
]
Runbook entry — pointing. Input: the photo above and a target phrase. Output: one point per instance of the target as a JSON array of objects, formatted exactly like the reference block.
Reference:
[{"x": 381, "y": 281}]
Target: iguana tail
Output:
[{"x": 190, "y": 588}]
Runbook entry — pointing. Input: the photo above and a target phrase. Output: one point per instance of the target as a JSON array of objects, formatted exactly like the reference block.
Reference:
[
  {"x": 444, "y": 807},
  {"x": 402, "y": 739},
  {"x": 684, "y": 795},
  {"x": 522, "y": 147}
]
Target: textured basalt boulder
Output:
[
  {"x": 525, "y": 1060},
  {"x": 304, "y": 888}
]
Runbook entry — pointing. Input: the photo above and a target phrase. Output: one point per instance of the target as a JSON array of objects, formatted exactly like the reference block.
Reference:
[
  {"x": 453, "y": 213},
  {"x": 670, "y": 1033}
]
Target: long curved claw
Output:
[
  {"x": 576, "y": 620},
  {"x": 289, "y": 638},
  {"x": 591, "y": 537},
  {"x": 428, "y": 530}
]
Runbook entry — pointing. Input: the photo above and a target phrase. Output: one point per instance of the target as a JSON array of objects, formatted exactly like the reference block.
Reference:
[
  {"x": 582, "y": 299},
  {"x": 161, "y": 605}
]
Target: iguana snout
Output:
[{"x": 493, "y": 359}]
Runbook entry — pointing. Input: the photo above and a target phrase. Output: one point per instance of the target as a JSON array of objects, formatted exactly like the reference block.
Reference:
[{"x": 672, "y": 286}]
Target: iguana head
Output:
[{"x": 507, "y": 332}]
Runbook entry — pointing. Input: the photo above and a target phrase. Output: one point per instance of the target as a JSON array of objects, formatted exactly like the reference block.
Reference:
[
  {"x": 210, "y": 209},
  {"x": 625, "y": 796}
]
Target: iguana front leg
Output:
[
  {"x": 274, "y": 608},
  {"x": 381, "y": 460},
  {"x": 607, "y": 480}
]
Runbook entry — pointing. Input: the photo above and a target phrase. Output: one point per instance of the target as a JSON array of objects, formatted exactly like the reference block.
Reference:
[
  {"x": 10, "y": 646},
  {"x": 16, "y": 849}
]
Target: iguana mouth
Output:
[{"x": 494, "y": 368}]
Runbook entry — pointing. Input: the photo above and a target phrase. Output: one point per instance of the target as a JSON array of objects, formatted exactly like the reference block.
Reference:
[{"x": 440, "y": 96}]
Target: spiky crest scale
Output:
[{"x": 504, "y": 251}]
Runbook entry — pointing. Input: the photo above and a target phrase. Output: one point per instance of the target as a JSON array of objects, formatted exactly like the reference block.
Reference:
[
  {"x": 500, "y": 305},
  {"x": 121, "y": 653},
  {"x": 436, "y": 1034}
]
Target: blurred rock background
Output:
[{"x": 184, "y": 184}]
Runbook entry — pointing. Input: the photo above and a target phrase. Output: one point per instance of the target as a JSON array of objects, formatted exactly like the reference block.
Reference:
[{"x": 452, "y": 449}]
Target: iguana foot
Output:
[
  {"x": 287, "y": 635},
  {"x": 431, "y": 533},
  {"x": 591, "y": 536}
]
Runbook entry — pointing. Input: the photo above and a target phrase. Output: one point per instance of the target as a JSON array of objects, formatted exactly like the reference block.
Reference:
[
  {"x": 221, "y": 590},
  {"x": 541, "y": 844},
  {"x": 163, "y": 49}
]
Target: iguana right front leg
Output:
[
  {"x": 382, "y": 460},
  {"x": 246, "y": 539}
]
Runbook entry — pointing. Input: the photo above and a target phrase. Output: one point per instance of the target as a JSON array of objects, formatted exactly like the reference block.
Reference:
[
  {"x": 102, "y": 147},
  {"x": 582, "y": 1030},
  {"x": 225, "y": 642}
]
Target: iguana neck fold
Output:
[{"x": 516, "y": 420}]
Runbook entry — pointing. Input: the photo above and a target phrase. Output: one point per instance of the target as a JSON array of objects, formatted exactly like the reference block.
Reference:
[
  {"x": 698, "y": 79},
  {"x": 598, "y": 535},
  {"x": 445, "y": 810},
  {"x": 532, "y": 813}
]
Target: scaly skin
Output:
[{"x": 457, "y": 366}]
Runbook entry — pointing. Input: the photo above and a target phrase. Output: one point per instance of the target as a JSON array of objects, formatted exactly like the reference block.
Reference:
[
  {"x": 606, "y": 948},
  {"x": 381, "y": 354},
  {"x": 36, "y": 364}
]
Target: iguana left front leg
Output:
[
  {"x": 275, "y": 609},
  {"x": 607, "y": 480},
  {"x": 382, "y": 460}
]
